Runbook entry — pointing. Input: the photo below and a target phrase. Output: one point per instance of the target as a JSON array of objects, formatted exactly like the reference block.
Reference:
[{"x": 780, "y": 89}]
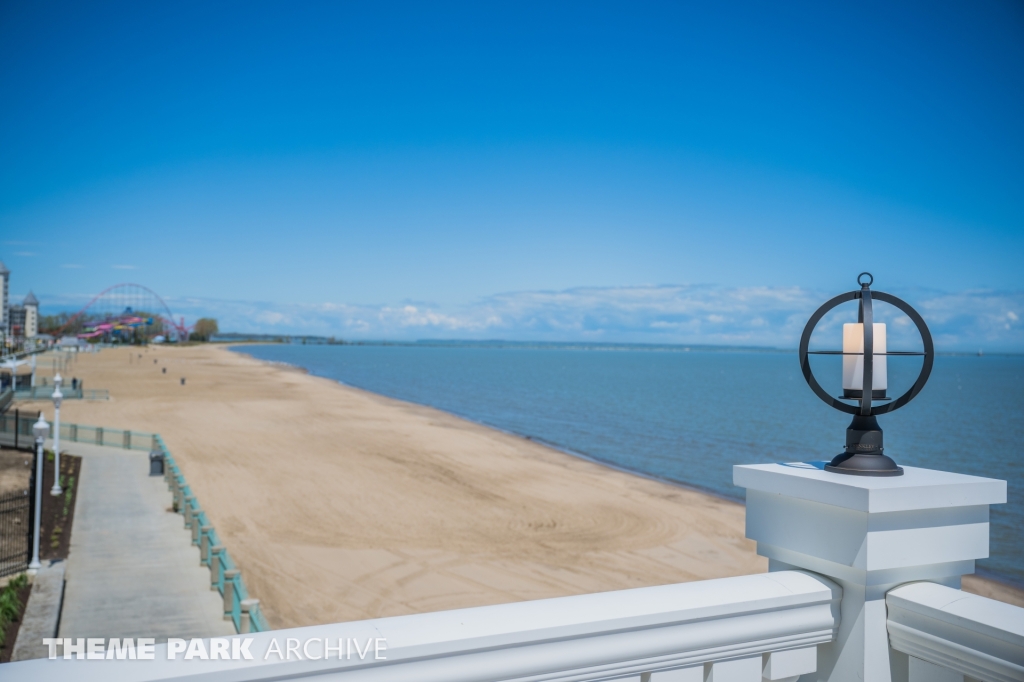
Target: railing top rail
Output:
[
  {"x": 973, "y": 635},
  {"x": 568, "y": 639},
  {"x": 111, "y": 429},
  {"x": 105, "y": 429}
]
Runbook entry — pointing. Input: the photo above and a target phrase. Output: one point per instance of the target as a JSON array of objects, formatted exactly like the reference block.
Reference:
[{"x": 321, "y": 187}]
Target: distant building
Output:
[
  {"x": 25, "y": 318},
  {"x": 71, "y": 343},
  {"x": 31, "y": 305},
  {"x": 18, "y": 323},
  {"x": 5, "y": 315},
  {"x": 31, "y": 315}
]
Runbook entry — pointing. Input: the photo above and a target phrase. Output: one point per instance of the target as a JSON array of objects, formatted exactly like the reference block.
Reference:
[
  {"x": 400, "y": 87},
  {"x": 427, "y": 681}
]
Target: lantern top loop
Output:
[{"x": 871, "y": 279}]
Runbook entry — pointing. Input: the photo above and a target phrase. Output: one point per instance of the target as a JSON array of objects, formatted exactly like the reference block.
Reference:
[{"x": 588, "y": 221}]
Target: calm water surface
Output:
[{"x": 689, "y": 416}]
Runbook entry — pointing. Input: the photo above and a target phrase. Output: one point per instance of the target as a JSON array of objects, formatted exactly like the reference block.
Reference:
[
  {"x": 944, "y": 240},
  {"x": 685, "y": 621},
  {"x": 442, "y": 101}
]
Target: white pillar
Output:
[
  {"x": 869, "y": 534},
  {"x": 57, "y": 398}
]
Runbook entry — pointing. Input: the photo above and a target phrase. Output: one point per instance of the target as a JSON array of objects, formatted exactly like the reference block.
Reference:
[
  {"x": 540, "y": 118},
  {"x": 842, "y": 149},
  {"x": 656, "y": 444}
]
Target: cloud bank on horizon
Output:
[{"x": 672, "y": 314}]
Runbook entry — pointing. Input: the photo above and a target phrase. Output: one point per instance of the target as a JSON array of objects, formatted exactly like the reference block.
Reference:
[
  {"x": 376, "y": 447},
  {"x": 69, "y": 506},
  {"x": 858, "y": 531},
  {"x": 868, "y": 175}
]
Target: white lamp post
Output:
[
  {"x": 41, "y": 430},
  {"x": 57, "y": 398},
  {"x": 32, "y": 383}
]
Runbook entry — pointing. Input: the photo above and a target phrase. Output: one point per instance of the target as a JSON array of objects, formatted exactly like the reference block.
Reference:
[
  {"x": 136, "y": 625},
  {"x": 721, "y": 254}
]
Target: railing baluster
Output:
[
  {"x": 248, "y": 607},
  {"x": 215, "y": 569},
  {"x": 195, "y": 526},
  {"x": 229, "y": 593}
]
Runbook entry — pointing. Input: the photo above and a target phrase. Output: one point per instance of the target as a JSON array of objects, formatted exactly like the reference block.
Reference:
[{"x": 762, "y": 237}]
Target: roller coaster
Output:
[{"x": 125, "y": 312}]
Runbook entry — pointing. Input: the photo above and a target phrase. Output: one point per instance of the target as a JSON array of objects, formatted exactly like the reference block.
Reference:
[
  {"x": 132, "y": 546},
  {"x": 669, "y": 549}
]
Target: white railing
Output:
[
  {"x": 956, "y": 631},
  {"x": 742, "y": 629}
]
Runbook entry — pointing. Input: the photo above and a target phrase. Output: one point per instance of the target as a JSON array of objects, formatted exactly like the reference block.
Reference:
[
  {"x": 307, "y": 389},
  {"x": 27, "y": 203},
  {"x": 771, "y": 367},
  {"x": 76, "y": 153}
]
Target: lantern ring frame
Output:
[{"x": 922, "y": 328}]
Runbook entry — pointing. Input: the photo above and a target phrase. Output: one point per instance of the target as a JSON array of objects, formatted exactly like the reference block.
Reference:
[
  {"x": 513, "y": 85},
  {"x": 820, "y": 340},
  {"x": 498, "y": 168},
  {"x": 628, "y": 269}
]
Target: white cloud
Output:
[
  {"x": 272, "y": 318},
  {"x": 688, "y": 314}
]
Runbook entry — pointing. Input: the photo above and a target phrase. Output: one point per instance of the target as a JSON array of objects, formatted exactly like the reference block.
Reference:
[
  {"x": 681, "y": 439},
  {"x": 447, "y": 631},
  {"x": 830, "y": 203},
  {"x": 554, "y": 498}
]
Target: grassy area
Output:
[{"x": 12, "y": 598}]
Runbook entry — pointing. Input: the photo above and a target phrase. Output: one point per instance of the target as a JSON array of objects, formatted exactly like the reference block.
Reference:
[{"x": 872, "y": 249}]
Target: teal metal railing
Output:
[
  {"x": 186, "y": 503},
  {"x": 16, "y": 429},
  {"x": 102, "y": 435},
  {"x": 46, "y": 393}
]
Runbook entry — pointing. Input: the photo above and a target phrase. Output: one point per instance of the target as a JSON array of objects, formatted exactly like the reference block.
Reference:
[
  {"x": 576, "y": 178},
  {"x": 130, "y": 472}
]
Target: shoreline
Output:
[
  {"x": 550, "y": 345},
  {"x": 533, "y": 439}
]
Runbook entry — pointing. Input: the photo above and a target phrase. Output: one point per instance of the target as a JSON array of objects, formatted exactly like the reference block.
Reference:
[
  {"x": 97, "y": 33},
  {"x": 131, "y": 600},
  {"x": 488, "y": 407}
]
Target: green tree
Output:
[{"x": 204, "y": 329}]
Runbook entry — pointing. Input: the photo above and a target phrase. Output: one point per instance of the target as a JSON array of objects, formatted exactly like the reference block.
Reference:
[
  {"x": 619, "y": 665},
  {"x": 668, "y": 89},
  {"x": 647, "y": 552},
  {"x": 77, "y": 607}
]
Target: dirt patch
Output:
[
  {"x": 58, "y": 513},
  {"x": 15, "y": 470}
]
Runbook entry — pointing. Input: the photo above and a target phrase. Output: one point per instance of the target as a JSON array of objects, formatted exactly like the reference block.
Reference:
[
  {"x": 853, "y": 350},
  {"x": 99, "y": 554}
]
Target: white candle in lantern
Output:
[{"x": 853, "y": 365}]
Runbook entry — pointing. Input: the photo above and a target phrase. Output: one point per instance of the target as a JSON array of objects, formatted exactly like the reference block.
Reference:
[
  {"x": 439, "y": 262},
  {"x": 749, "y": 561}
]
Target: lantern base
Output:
[
  {"x": 863, "y": 456},
  {"x": 864, "y": 465}
]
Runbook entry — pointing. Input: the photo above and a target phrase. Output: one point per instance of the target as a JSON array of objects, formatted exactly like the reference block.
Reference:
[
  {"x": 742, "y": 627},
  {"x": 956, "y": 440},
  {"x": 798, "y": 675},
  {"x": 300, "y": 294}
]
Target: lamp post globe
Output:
[
  {"x": 58, "y": 398},
  {"x": 40, "y": 430},
  {"x": 865, "y": 356}
]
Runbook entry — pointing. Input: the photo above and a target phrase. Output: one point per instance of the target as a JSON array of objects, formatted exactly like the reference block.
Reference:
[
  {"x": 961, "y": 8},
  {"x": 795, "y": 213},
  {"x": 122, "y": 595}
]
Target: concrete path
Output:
[{"x": 132, "y": 570}]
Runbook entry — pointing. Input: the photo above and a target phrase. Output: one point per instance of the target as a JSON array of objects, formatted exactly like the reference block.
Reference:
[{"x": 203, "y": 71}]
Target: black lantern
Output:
[{"x": 865, "y": 378}]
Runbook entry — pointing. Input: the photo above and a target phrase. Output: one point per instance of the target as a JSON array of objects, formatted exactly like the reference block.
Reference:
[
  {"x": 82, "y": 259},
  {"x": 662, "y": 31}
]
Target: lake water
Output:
[{"x": 688, "y": 416}]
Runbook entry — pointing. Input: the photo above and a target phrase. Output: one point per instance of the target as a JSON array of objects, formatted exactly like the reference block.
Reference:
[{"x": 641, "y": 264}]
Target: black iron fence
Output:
[
  {"x": 15, "y": 531},
  {"x": 16, "y": 429},
  {"x": 16, "y": 506}
]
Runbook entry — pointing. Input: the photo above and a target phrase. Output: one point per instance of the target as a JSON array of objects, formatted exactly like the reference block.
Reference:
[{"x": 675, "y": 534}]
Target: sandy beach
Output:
[{"x": 340, "y": 504}]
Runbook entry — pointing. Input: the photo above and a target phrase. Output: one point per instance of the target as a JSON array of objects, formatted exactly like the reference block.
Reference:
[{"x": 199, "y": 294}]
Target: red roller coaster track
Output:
[{"x": 168, "y": 319}]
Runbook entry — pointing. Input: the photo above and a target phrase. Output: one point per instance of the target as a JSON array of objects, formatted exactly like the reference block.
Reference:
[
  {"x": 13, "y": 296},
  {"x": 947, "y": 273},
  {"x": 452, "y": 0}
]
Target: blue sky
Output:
[{"x": 630, "y": 171}]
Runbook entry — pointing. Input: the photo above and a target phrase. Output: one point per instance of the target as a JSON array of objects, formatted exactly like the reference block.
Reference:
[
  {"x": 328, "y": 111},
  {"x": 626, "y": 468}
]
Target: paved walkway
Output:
[{"x": 132, "y": 570}]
